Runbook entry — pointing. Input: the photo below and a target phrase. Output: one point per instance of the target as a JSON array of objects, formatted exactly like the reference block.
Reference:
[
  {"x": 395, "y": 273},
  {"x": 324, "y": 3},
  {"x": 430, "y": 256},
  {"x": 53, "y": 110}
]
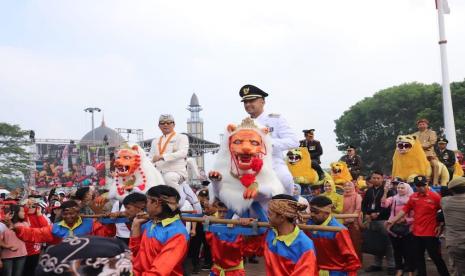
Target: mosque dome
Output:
[{"x": 114, "y": 138}]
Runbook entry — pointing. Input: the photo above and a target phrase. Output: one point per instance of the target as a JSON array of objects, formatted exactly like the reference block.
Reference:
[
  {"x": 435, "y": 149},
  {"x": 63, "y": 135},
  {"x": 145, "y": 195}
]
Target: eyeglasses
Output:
[
  {"x": 404, "y": 145},
  {"x": 164, "y": 123}
]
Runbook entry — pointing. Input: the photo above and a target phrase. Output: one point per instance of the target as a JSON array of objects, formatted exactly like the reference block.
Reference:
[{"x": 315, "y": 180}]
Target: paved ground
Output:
[{"x": 259, "y": 270}]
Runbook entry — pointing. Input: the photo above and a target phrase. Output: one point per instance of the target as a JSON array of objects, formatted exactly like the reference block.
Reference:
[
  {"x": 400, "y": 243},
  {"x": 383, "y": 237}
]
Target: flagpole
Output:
[{"x": 448, "y": 111}]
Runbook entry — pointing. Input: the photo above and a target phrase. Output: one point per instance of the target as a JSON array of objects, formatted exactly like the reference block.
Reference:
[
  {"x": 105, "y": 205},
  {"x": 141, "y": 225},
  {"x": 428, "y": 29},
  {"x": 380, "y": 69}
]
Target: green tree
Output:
[
  {"x": 373, "y": 124},
  {"x": 14, "y": 158}
]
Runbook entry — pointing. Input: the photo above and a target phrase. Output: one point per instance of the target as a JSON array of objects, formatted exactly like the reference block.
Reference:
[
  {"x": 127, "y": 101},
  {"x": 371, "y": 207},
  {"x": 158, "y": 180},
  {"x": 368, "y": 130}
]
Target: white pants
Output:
[
  {"x": 173, "y": 179},
  {"x": 285, "y": 177}
]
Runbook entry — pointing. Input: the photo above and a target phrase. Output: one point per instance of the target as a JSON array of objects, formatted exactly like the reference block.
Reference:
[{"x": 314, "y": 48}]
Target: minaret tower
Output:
[{"x": 195, "y": 127}]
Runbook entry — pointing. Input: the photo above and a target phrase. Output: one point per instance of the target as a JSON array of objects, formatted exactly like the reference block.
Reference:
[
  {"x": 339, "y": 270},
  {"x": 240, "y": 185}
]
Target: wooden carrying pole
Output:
[
  {"x": 305, "y": 216},
  {"x": 260, "y": 224},
  {"x": 338, "y": 216}
]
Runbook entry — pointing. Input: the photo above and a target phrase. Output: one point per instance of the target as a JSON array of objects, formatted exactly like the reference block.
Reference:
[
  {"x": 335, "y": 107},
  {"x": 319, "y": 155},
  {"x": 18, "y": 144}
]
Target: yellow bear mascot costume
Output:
[
  {"x": 458, "y": 171},
  {"x": 409, "y": 158},
  {"x": 300, "y": 165},
  {"x": 340, "y": 173}
]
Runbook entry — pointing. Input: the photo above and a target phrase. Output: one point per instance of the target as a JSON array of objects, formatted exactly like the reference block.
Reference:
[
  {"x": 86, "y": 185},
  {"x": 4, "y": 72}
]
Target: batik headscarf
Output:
[
  {"x": 287, "y": 208},
  {"x": 86, "y": 256}
]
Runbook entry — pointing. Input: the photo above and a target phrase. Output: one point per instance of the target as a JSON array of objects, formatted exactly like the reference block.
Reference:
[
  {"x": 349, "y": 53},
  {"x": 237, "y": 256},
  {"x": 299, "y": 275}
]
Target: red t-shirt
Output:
[{"x": 425, "y": 208}]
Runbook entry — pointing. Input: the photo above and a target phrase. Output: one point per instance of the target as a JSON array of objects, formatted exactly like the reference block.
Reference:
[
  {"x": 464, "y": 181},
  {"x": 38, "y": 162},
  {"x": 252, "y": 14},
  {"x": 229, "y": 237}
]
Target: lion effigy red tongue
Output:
[{"x": 256, "y": 164}]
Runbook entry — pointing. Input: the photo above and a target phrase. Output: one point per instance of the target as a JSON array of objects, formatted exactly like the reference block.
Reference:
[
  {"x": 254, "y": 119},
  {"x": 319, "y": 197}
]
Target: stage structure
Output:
[{"x": 74, "y": 162}]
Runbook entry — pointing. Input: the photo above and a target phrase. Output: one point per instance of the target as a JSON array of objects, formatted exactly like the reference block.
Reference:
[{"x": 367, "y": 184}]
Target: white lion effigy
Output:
[
  {"x": 243, "y": 172},
  {"x": 134, "y": 173}
]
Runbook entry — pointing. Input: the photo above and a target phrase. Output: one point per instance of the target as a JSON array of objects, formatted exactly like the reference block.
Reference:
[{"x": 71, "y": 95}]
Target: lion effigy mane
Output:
[
  {"x": 241, "y": 145},
  {"x": 340, "y": 173},
  {"x": 299, "y": 164},
  {"x": 134, "y": 173},
  {"x": 409, "y": 158}
]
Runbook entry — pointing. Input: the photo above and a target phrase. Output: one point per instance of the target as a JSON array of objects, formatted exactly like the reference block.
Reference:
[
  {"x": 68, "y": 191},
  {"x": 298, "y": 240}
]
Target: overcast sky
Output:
[{"x": 138, "y": 59}]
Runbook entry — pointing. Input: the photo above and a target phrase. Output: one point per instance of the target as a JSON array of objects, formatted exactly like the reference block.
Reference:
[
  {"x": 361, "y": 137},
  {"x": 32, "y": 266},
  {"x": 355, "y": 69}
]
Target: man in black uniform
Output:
[
  {"x": 447, "y": 157},
  {"x": 353, "y": 161},
  {"x": 315, "y": 149}
]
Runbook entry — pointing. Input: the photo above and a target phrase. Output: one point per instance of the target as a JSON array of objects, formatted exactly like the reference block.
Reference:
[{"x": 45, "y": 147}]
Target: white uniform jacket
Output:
[
  {"x": 282, "y": 136},
  {"x": 175, "y": 155}
]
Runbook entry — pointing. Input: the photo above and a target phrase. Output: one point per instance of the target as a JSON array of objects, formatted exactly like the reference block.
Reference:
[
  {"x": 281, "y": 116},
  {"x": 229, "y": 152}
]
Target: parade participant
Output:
[
  {"x": 132, "y": 205},
  {"x": 199, "y": 241},
  {"x": 226, "y": 249},
  {"x": 159, "y": 245},
  {"x": 283, "y": 138},
  {"x": 84, "y": 198},
  {"x": 71, "y": 225},
  {"x": 447, "y": 157},
  {"x": 337, "y": 199},
  {"x": 428, "y": 138},
  {"x": 454, "y": 208},
  {"x": 169, "y": 152},
  {"x": 55, "y": 212},
  {"x": 315, "y": 150},
  {"x": 377, "y": 216},
  {"x": 353, "y": 161},
  {"x": 86, "y": 256},
  {"x": 34, "y": 219},
  {"x": 426, "y": 230},
  {"x": 302, "y": 200},
  {"x": 335, "y": 253},
  {"x": 401, "y": 238},
  {"x": 315, "y": 190},
  {"x": 13, "y": 251},
  {"x": 288, "y": 251},
  {"x": 353, "y": 205}
]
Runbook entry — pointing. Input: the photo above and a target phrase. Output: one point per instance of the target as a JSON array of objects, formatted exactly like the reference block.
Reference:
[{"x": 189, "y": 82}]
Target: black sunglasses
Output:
[
  {"x": 165, "y": 123},
  {"x": 404, "y": 145}
]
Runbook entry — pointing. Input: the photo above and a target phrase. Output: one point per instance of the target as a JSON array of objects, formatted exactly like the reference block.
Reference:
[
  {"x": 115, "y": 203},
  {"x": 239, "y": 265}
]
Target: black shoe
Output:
[
  {"x": 253, "y": 260},
  {"x": 373, "y": 268},
  {"x": 391, "y": 271}
]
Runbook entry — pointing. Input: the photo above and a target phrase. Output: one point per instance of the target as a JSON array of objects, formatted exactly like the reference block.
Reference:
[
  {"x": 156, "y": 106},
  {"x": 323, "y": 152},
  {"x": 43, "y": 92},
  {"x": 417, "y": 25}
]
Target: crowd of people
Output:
[
  {"x": 52, "y": 175},
  {"x": 317, "y": 230}
]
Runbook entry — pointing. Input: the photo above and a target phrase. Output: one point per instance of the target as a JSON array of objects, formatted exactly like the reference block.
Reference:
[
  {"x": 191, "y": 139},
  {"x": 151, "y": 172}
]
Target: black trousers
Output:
[
  {"x": 404, "y": 256},
  {"x": 194, "y": 247},
  {"x": 433, "y": 246},
  {"x": 30, "y": 265},
  {"x": 316, "y": 166}
]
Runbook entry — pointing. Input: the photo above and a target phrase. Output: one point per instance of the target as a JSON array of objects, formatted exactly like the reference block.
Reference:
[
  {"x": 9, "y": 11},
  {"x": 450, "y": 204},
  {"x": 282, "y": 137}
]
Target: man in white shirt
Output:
[
  {"x": 169, "y": 152},
  {"x": 282, "y": 136}
]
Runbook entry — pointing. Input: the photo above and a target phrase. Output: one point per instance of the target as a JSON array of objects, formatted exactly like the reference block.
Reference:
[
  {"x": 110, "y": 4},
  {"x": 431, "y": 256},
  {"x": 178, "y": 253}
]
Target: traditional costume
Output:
[
  {"x": 161, "y": 248},
  {"x": 336, "y": 253},
  {"x": 291, "y": 254},
  {"x": 227, "y": 253},
  {"x": 54, "y": 233},
  {"x": 173, "y": 148}
]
